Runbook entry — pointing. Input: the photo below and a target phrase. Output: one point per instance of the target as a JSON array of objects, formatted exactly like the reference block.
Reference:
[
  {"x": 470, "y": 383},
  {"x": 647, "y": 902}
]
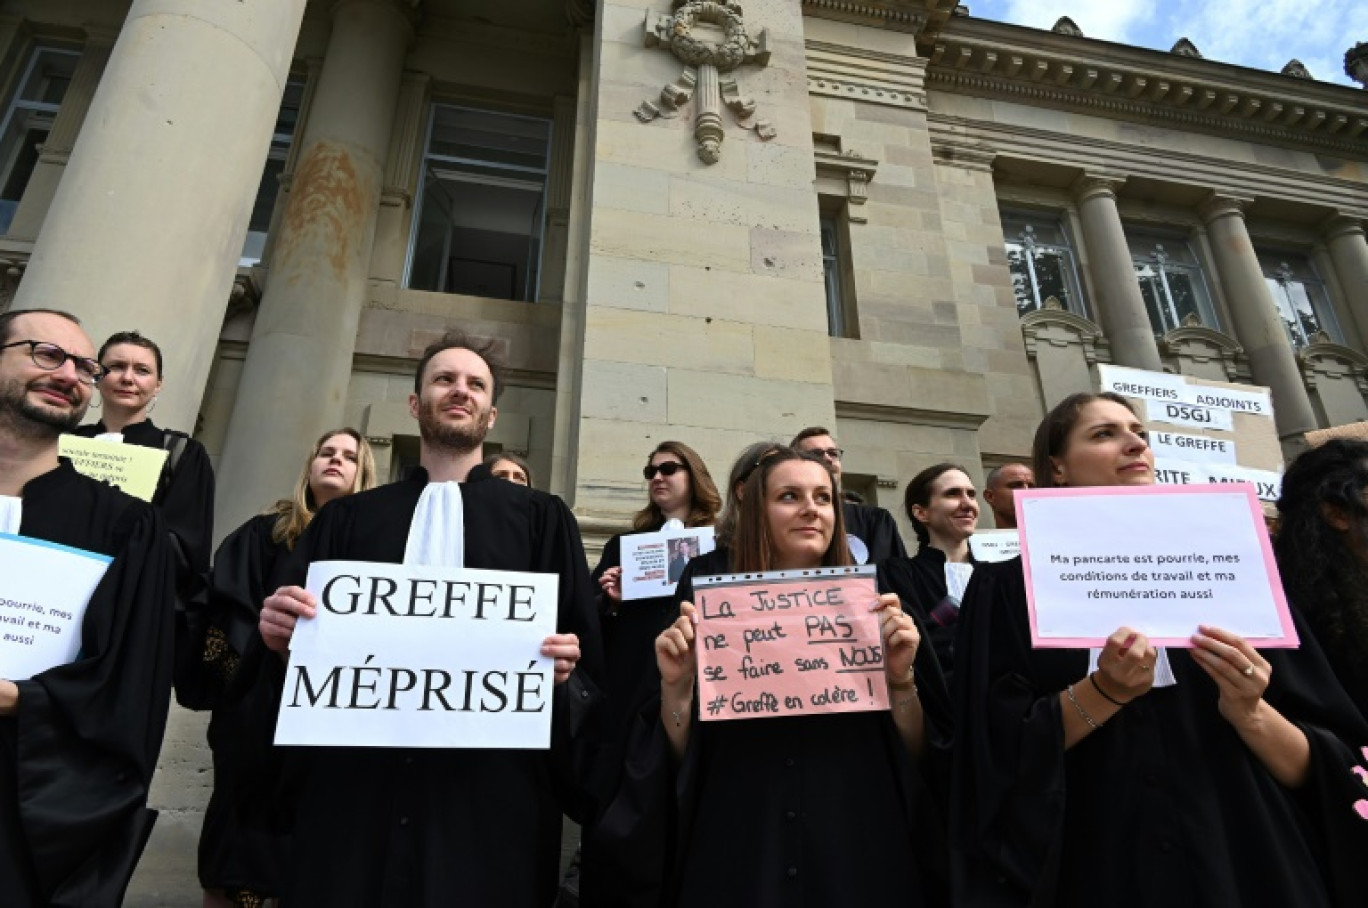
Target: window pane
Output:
[
  {"x": 1300, "y": 296},
  {"x": 1171, "y": 281},
  {"x": 496, "y": 138},
  {"x": 49, "y": 76},
  {"x": 831, "y": 274},
  {"x": 268, "y": 188},
  {"x": 1155, "y": 304},
  {"x": 1040, "y": 261},
  {"x": 478, "y": 227}
]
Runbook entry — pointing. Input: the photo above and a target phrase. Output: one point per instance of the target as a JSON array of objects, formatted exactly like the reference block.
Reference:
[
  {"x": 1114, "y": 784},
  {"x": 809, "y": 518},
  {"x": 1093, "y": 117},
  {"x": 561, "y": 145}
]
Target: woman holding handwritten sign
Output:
[
  {"x": 1216, "y": 775},
  {"x": 819, "y": 810}
]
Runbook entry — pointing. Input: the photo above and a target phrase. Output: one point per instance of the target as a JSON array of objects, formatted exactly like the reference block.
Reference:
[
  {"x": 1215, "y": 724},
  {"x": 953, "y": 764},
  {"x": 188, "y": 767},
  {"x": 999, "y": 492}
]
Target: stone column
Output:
[
  {"x": 1119, "y": 305},
  {"x": 1258, "y": 327},
  {"x": 298, "y": 367},
  {"x": 143, "y": 231},
  {"x": 1344, "y": 239}
]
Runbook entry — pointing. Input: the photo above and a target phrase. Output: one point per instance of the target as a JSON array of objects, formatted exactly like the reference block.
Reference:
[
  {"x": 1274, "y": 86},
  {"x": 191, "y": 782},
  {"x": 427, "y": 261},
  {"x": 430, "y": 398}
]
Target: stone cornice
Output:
[
  {"x": 871, "y": 77},
  {"x": 856, "y": 171},
  {"x": 924, "y": 18},
  {"x": 1086, "y": 153},
  {"x": 992, "y": 59}
]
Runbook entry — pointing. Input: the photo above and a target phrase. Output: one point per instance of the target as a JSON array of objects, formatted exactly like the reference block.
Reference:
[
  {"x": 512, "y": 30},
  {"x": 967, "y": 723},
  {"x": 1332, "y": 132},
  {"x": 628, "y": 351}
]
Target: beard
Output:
[
  {"x": 459, "y": 439},
  {"x": 34, "y": 419}
]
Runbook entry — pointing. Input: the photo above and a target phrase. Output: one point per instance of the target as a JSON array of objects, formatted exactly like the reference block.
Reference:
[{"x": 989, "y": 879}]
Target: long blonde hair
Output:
[{"x": 293, "y": 514}]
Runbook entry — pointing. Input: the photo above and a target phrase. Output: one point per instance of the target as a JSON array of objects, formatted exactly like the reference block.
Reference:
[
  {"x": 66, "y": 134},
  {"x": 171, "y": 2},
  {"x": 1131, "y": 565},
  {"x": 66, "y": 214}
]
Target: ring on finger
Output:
[{"x": 1248, "y": 670}]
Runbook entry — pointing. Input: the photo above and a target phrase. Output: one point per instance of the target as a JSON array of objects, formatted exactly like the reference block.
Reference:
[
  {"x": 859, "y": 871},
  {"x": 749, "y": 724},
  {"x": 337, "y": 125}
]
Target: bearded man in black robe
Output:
[
  {"x": 429, "y": 827},
  {"x": 78, "y": 742}
]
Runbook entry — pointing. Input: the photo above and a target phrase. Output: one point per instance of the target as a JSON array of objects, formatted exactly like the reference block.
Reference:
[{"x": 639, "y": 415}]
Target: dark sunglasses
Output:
[{"x": 668, "y": 468}]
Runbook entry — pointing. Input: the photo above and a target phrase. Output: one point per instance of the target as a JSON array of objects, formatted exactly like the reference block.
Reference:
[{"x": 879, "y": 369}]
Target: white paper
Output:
[
  {"x": 1157, "y": 386},
  {"x": 1093, "y": 564},
  {"x": 458, "y": 654},
  {"x": 1267, "y": 484},
  {"x": 651, "y": 562},
  {"x": 1255, "y": 401},
  {"x": 44, "y": 591},
  {"x": 1192, "y": 448},
  {"x": 1191, "y": 415},
  {"x": 995, "y": 545}
]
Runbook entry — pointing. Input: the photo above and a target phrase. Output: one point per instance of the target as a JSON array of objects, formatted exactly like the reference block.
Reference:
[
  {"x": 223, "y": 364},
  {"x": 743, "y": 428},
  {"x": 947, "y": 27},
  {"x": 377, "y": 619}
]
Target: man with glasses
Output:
[
  {"x": 79, "y": 741},
  {"x": 873, "y": 532}
]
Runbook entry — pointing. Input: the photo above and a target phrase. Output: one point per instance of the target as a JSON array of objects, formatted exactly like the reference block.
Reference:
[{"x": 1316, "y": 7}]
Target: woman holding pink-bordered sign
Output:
[{"x": 1135, "y": 776}]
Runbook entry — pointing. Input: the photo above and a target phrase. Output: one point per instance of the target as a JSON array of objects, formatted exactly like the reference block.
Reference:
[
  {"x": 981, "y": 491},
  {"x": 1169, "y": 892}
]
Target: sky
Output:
[{"x": 1260, "y": 34}]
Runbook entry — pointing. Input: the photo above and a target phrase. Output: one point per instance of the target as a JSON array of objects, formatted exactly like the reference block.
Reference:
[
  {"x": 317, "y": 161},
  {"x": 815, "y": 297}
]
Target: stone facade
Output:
[{"x": 826, "y": 245}]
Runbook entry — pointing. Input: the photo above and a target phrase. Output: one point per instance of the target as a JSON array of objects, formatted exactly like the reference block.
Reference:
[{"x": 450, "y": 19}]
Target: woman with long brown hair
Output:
[
  {"x": 828, "y": 809},
  {"x": 1135, "y": 776},
  {"x": 240, "y": 860}
]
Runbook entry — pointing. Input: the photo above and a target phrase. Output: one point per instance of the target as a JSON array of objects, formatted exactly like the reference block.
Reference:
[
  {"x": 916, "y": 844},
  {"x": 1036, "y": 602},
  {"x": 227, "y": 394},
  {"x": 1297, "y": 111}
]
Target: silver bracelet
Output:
[{"x": 1092, "y": 723}]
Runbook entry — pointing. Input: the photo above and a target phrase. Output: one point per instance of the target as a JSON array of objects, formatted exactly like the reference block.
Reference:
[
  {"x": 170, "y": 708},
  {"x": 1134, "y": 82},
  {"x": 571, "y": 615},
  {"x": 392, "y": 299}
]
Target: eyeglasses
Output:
[
  {"x": 668, "y": 468},
  {"x": 827, "y": 453},
  {"x": 50, "y": 357}
]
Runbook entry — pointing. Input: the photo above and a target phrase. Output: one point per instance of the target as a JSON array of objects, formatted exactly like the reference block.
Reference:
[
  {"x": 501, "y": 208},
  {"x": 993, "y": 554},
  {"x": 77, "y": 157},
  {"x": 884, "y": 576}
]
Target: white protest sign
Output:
[
  {"x": 1190, "y": 415},
  {"x": 1191, "y": 448},
  {"x": 995, "y": 545},
  {"x": 44, "y": 591},
  {"x": 418, "y": 656},
  {"x": 1267, "y": 485},
  {"x": 1159, "y": 559},
  {"x": 1140, "y": 383},
  {"x": 653, "y": 562}
]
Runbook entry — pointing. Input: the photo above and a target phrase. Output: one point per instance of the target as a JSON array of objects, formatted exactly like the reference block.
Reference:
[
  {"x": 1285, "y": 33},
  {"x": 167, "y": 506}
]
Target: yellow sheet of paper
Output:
[{"x": 132, "y": 468}]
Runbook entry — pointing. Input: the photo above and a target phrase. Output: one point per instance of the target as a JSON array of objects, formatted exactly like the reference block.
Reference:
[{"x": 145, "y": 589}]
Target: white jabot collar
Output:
[
  {"x": 11, "y": 514},
  {"x": 437, "y": 534}
]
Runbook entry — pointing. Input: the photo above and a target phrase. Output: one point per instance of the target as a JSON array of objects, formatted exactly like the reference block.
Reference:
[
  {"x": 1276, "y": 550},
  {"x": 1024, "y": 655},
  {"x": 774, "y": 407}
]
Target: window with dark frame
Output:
[
  {"x": 1300, "y": 296},
  {"x": 282, "y": 137},
  {"x": 1041, "y": 261},
  {"x": 29, "y": 115},
  {"x": 832, "y": 274},
  {"x": 481, "y": 210},
  {"x": 1171, "y": 280}
]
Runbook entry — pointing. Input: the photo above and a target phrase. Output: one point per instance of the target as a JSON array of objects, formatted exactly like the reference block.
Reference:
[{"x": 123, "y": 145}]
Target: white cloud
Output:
[{"x": 1261, "y": 34}]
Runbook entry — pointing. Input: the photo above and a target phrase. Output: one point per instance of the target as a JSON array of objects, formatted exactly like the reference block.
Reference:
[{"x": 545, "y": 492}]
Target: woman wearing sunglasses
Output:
[{"x": 678, "y": 487}]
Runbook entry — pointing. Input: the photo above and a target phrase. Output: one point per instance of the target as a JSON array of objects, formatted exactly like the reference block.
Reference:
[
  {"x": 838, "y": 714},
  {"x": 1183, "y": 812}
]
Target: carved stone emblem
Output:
[{"x": 706, "y": 63}]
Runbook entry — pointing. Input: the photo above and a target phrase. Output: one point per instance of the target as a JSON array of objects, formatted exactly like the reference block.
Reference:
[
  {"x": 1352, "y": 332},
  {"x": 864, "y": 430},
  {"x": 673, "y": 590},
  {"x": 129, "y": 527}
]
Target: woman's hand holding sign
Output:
[
  {"x": 565, "y": 649},
  {"x": 900, "y": 643}
]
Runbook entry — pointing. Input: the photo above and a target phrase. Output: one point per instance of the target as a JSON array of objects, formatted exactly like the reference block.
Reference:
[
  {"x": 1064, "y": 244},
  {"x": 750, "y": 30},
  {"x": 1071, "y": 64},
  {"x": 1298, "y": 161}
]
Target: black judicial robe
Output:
[
  {"x": 1350, "y": 665},
  {"x": 920, "y": 584},
  {"x": 816, "y": 811},
  {"x": 185, "y": 495},
  {"x": 1162, "y": 806},
  {"x": 629, "y": 640},
  {"x": 77, "y": 758},
  {"x": 239, "y": 848},
  {"x": 405, "y": 828},
  {"x": 876, "y": 528}
]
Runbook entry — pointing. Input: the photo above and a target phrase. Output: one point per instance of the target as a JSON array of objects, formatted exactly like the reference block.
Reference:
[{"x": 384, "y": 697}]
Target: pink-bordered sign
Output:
[{"x": 1223, "y": 520}]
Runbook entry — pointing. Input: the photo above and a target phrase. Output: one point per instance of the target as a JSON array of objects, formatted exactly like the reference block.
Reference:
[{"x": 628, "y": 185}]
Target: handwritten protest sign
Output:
[
  {"x": 44, "y": 591},
  {"x": 130, "y": 468},
  {"x": 653, "y": 562},
  {"x": 1160, "y": 559},
  {"x": 995, "y": 545},
  {"x": 417, "y": 656},
  {"x": 789, "y": 643}
]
